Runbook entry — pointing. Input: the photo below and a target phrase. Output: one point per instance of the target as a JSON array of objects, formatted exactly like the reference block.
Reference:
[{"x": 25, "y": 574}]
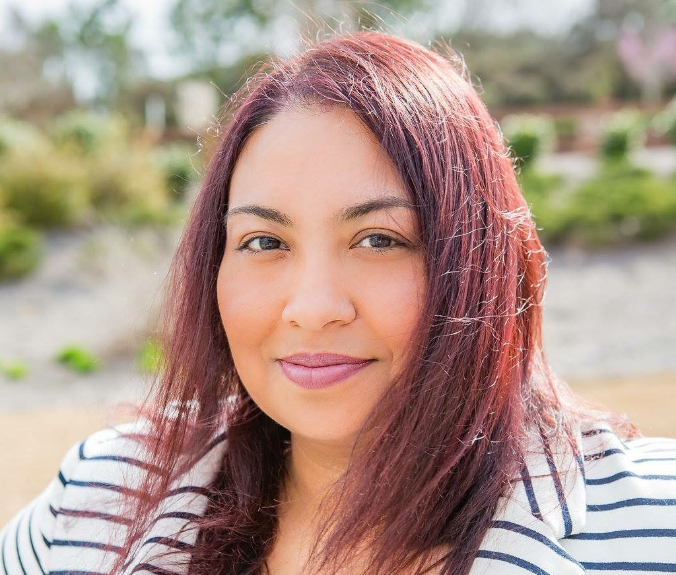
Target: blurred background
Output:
[{"x": 108, "y": 114}]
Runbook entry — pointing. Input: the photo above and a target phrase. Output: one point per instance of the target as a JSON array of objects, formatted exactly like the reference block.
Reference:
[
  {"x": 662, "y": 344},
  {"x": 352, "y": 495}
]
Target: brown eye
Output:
[
  {"x": 380, "y": 243},
  {"x": 265, "y": 244}
]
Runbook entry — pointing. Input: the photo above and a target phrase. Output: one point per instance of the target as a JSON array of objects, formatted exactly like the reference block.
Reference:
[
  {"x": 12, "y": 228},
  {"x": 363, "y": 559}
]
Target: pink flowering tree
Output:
[{"x": 649, "y": 58}]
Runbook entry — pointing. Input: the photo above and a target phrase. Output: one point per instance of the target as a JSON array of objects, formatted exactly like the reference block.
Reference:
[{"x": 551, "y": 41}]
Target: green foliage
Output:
[
  {"x": 46, "y": 189},
  {"x": 528, "y": 135},
  {"x": 177, "y": 163},
  {"x": 149, "y": 356},
  {"x": 21, "y": 250},
  {"x": 621, "y": 203},
  {"x": 14, "y": 368},
  {"x": 125, "y": 176},
  {"x": 18, "y": 135},
  {"x": 78, "y": 359},
  {"x": 85, "y": 132},
  {"x": 622, "y": 131},
  {"x": 664, "y": 122},
  {"x": 565, "y": 126},
  {"x": 547, "y": 197}
]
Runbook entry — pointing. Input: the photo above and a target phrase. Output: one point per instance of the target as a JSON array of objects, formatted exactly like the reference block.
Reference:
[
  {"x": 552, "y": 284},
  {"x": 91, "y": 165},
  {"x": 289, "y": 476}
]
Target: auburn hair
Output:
[{"x": 454, "y": 425}]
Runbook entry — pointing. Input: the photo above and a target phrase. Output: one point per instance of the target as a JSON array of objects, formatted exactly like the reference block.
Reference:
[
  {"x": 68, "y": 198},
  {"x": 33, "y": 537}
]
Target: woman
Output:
[{"x": 354, "y": 377}]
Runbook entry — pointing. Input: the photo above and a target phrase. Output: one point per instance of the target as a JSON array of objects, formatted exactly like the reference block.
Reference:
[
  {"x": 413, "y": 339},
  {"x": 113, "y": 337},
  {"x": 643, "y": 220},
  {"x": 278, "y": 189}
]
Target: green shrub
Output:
[
  {"x": 14, "y": 368},
  {"x": 547, "y": 197},
  {"x": 86, "y": 132},
  {"x": 45, "y": 190},
  {"x": 149, "y": 356},
  {"x": 21, "y": 251},
  {"x": 126, "y": 177},
  {"x": 18, "y": 135},
  {"x": 528, "y": 135},
  {"x": 664, "y": 122},
  {"x": 178, "y": 163},
  {"x": 622, "y": 131},
  {"x": 565, "y": 126},
  {"x": 621, "y": 203},
  {"x": 78, "y": 359}
]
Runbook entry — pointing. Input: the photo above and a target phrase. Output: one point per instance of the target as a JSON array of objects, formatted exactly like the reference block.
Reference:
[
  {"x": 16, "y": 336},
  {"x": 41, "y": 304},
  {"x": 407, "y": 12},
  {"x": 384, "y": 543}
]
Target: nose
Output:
[{"x": 317, "y": 296}]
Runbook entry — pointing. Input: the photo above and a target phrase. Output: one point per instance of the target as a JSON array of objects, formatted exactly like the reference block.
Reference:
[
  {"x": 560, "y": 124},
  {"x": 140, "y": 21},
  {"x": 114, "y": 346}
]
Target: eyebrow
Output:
[{"x": 344, "y": 215}]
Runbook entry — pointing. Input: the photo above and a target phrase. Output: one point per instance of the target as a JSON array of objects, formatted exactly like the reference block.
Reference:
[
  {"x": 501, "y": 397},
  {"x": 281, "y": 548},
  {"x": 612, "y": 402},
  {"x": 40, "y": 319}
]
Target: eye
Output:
[
  {"x": 266, "y": 244},
  {"x": 384, "y": 243}
]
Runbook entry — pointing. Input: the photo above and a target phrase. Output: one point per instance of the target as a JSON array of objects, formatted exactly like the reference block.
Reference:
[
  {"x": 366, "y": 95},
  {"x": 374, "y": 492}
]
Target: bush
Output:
[
  {"x": 21, "y": 251},
  {"x": 177, "y": 163},
  {"x": 14, "y": 369},
  {"x": 664, "y": 122},
  {"x": 16, "y": 135},
  {"x": 125, "y": 179},
  {"x": 528, "y": 135},
  {"x": 86, "y": 132},
  {"x": 78, "y": 359},
  {"x": 622, "y": 203},
  {"x": 622, "y": 131},
  {"x": 547, "y": 197},
  {"x": 45, "y": 190},
  {"x": 149, "y": 356}
]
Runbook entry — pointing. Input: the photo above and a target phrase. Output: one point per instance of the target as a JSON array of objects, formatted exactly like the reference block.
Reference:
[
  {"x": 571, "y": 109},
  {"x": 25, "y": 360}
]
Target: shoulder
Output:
[
  {"x": 78, "y": 520},
  {"x": 28, "y": 540},
  {"x": 630, "y": 522}
]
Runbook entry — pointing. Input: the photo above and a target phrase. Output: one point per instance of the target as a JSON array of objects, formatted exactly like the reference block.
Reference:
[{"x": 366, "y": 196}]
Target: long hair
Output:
[{"x": 449, "y": 435}]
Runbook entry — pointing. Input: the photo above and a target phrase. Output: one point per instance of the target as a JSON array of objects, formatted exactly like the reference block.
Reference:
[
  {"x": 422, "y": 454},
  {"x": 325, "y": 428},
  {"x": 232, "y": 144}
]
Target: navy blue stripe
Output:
[
  {"x": 16, "y": 543},
  {"x": 592, "y": 432},
  {"x": 4, "y": 561},
  {"x": 625, "y": 533},
  {"x": 90, "y": 515},
  {"x": 636, "y": 501},
  {"x": 557, "y": 485},
  {"x": 528, "y": 486},
  {"x": 615, "y": 450},
  {"x": 102, "y": 485},
  {"x": 527, "y": 565},
  {"x": 88, "y": 544},
  {"x": 123, "y": 459},
  {"x": 69, "y": 572},
  {"x": 622, "y": 474},
  {"x": 532, "y": 534},
  {"x": 169, "y": 542},
  {"x": 152, "y": 569},
  {"x": 631, "y": 566},
  {"x": 30, "y": 539}
]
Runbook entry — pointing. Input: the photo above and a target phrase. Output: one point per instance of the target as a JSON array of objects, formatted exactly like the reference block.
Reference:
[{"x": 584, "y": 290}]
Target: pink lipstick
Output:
[{"x": 318, "y": 371}]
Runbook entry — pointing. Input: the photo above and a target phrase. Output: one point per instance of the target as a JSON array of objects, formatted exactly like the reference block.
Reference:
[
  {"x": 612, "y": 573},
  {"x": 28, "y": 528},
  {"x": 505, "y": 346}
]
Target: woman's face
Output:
[{"x": 308, "y": 271}]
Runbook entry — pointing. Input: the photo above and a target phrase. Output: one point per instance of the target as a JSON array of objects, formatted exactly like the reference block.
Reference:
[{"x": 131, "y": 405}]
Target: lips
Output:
[
  {"x": 322, "y": 359},
  {"x": 324, "y": 375}
]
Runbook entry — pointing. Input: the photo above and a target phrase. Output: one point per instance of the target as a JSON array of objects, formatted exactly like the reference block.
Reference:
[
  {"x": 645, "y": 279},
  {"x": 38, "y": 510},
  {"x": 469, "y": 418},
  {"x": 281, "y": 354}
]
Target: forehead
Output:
[{"x": 319, "y": 160}]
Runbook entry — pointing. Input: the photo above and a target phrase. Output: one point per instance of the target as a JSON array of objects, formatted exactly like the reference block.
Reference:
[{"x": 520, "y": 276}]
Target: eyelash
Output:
[{"x": 395, "y": 244}]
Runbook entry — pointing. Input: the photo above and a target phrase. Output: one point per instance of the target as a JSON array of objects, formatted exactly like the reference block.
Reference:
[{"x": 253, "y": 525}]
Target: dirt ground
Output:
[{"x": 33, "y": 442}]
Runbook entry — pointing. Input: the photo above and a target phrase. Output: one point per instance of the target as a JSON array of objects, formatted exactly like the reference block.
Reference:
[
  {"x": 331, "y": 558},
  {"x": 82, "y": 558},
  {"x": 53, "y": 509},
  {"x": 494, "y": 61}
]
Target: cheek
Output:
[
  {"x": 391, "y": 304},
  {"x": 248, "y": 317}
]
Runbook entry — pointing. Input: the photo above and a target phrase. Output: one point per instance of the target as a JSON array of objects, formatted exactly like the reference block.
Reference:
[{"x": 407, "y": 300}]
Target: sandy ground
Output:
[{"x": 34, "y": 441}]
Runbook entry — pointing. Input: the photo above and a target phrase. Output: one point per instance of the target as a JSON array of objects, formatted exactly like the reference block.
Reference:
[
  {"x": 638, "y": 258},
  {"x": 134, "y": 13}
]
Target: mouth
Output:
[{"x": 321, "y": 376}]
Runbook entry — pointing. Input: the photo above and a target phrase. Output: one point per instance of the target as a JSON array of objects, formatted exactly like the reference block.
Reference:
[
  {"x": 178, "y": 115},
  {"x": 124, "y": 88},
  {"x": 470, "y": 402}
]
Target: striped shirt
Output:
[{"x": 612, "y": 511}]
